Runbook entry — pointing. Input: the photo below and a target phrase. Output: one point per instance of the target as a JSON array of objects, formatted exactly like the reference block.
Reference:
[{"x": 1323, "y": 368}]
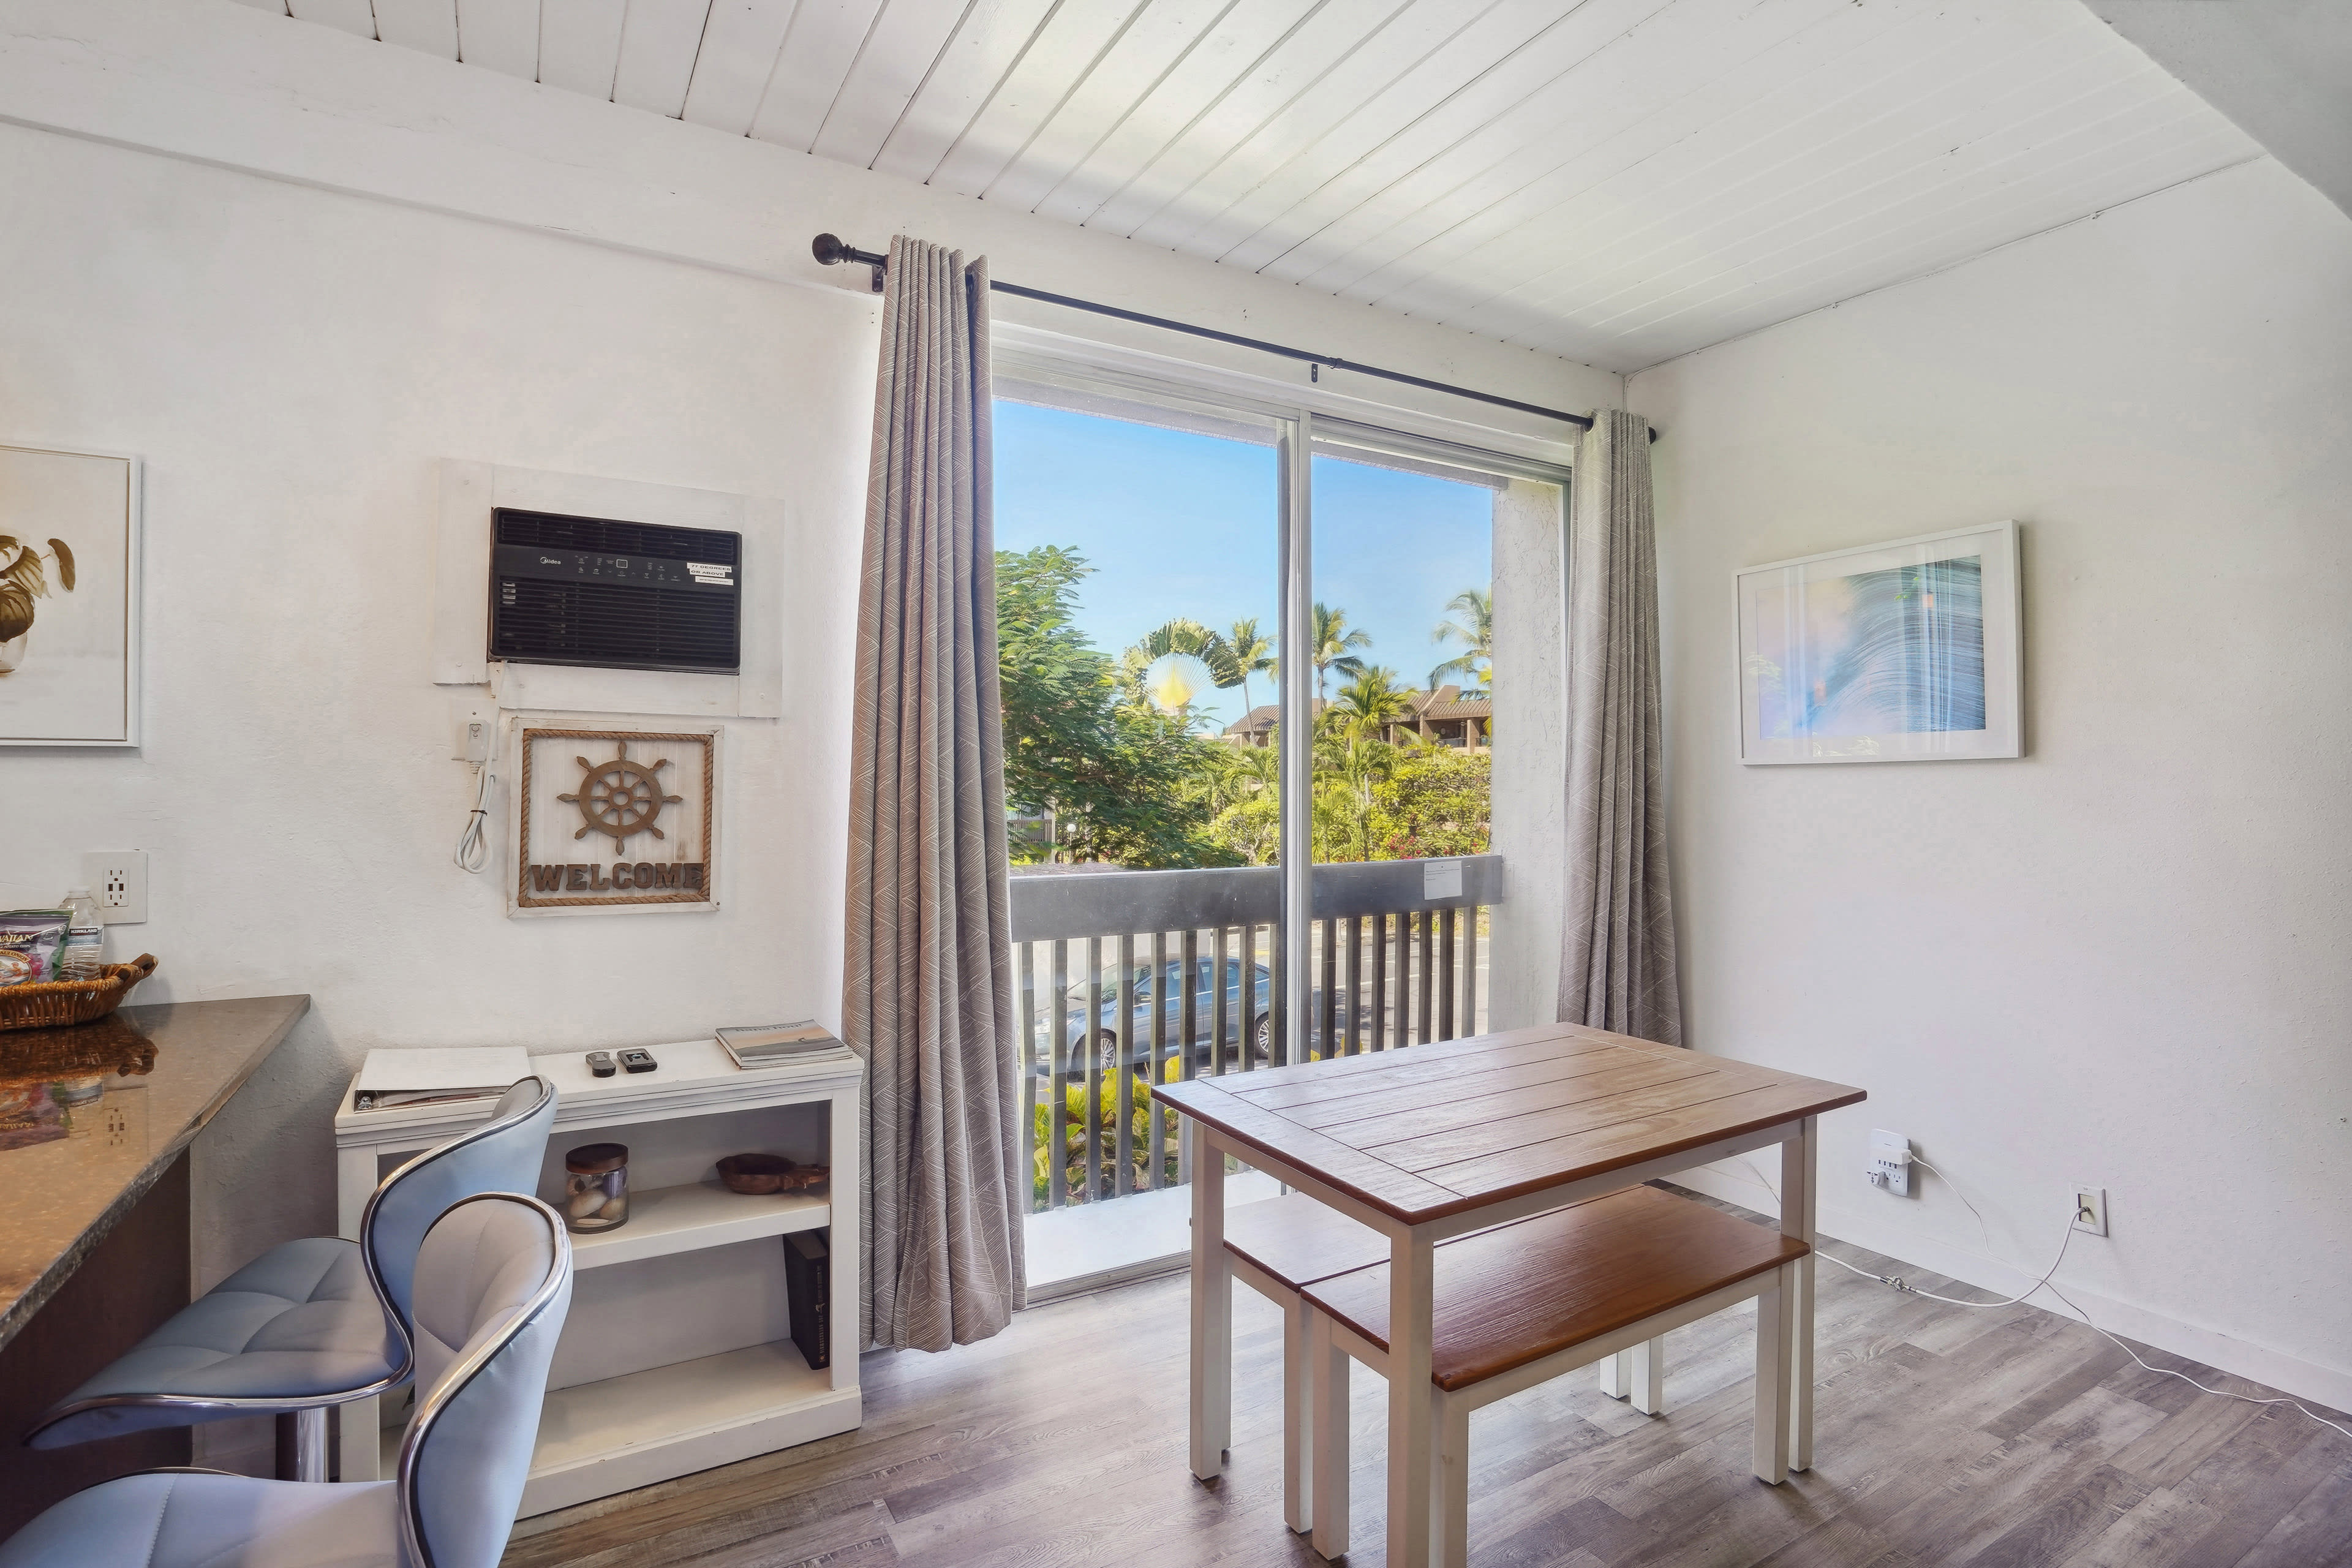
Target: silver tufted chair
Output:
[
  {"x": 491, "y": 1285},
  {"x": 312, "y": 1323}
]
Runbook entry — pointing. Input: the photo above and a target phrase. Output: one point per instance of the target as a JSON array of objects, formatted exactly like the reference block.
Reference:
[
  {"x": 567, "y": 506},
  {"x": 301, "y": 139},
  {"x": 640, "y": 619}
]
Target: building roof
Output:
[
  {"x": 1265, "y": 716},
  {"x": 1445, "y": 703}
]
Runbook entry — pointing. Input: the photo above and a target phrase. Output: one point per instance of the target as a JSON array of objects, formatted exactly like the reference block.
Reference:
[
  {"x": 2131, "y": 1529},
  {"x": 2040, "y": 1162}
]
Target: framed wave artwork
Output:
[{"x": 1907, "y": 651}]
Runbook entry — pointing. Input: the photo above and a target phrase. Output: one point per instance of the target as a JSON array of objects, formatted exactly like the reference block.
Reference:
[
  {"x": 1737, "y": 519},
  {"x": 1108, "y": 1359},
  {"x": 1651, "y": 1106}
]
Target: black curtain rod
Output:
[{"x": 828, "y": 249}]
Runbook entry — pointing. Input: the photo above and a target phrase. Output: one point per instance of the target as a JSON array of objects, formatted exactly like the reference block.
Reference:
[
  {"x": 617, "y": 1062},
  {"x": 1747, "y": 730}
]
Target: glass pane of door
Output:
[
  {"x": 1137, "y": 545},
  {"x": 1409, "y": 651}
]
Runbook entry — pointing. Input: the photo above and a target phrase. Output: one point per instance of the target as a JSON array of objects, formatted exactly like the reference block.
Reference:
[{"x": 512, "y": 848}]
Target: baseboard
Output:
[{"x": 2275, "y": 1369}]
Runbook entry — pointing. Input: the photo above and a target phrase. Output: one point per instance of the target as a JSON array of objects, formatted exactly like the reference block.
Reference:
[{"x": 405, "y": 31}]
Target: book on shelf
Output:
[
  {"x": 436, "y": 1075},
  {"x": 808, "y": 1292},
  {"x": 773, "y": 1045}
]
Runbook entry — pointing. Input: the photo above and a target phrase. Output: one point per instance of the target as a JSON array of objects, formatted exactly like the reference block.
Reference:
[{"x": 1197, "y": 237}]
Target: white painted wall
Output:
[
  {"x": 2120, "y": 960},
  {"x": 292, "y": 270},
  {"x": 290, "y": 363}
]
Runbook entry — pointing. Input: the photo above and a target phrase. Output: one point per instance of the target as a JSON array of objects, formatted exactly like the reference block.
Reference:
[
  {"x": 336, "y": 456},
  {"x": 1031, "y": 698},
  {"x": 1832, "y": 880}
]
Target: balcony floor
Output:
[
  {"x": 1946, "y": 1435},
  {"x": 1103, "y": 1243}
]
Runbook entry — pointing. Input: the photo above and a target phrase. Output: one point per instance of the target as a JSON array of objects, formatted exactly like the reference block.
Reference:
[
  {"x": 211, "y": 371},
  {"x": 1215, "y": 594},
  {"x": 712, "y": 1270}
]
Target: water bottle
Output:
[{"x": 85, "y": 950}]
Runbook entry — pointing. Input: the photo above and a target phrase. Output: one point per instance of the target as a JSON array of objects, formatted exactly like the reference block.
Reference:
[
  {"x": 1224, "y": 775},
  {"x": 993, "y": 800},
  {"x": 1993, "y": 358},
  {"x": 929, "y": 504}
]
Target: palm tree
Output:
[
  {"x": 1188, "y": 638},
  {"x": 1334, "y": 646},
  {"x": 1474, "y": 629},
  {"x": 1133, "y": 673},
  {"x": 1370, "y": 702},
  {"x": 1246, "y": 653}
]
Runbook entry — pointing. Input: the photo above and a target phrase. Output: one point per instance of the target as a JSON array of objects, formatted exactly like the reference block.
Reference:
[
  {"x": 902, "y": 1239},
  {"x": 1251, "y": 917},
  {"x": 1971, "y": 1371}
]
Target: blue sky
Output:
[{"x": 1180, "y": 524}]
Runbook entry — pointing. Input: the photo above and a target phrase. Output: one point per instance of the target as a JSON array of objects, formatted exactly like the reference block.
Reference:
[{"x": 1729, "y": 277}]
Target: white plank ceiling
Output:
[{"x": 1613, "y": 180}]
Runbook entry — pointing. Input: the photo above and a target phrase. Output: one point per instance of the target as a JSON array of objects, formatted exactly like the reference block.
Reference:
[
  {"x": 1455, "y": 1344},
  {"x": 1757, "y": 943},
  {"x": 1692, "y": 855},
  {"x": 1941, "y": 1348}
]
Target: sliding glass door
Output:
[{"x": 1253, "y": 662}]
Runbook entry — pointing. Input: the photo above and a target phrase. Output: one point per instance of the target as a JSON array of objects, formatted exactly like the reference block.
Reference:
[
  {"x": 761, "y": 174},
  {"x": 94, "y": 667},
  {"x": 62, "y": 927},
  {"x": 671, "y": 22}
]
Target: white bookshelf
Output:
[
  {"x": 684, "y": 1218},
  {"x": 677, "y": 1354}
]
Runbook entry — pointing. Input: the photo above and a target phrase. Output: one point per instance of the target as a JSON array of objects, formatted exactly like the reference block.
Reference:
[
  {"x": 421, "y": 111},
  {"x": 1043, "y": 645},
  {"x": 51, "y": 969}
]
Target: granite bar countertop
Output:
[{"x": 91, "y": 1116}]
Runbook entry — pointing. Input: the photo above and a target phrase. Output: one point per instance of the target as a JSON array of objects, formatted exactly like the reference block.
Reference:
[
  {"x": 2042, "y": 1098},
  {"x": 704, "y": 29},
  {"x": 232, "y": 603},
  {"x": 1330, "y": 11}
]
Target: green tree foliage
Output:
[
  {"x": 1127, "y": 784},
  {"x": 1369, "y": 702},
  {"x": 1432, "y": 801},
  {"x": 1470, "y": 621},
  {"x": 1335, "y": 647},
  {"x": 1248, "y": 652},
  {"x": 1072, "y": 1157},
  {"x": 1116, "y": 776},
  {"x": 1241, "y": 785}
]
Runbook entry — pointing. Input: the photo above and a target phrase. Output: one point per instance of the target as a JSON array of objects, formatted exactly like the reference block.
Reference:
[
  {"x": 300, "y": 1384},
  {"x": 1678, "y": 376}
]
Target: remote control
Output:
[
  {"x": 601, "y": 1063},
  {"x": 638, "y": 1061}
]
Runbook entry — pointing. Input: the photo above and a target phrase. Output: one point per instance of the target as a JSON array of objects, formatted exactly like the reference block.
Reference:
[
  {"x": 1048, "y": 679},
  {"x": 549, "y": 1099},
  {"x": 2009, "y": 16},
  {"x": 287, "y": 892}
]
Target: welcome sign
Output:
[{"x": 614, "y": 819}]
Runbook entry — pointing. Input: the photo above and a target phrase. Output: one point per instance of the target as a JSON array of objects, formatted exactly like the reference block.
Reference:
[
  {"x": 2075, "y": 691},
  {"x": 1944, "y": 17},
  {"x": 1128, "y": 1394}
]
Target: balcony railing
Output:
[{"x": 1177, "y": 974}]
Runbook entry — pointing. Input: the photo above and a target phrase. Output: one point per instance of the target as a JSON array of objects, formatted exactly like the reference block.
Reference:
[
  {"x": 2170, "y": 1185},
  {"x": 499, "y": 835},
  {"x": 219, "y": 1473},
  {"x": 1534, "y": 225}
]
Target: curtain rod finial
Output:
[{"x": 830, "y": 252}]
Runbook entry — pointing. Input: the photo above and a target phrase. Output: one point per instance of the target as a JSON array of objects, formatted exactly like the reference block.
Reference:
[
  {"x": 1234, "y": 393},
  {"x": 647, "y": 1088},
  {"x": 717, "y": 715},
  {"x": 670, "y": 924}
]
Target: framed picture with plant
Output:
[{"x": 68, "y": 598}]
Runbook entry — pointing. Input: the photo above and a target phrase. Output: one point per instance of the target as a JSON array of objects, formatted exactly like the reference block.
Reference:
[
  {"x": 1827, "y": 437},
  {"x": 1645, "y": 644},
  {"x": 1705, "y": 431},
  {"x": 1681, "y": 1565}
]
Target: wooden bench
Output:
[
  {"x": 1521, "y": 1304},
  {"x": 1279, "y": 1246}
]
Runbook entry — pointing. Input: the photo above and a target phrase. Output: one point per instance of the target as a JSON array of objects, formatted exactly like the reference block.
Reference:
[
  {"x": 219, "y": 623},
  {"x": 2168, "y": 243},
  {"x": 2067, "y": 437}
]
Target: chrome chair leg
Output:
[{"x": 302, "y": 1446}]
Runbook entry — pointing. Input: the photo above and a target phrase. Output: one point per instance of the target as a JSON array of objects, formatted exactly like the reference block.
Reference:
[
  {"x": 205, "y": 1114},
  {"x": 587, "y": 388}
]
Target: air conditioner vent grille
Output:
[{"x": 613, "y": 594}]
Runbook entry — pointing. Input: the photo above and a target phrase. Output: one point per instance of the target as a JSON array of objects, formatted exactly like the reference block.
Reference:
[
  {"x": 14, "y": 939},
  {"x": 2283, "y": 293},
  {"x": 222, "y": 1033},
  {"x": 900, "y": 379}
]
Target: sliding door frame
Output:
[
  {"x": 1298, "y": 417},
  {"x": 1297, "y": 734}
]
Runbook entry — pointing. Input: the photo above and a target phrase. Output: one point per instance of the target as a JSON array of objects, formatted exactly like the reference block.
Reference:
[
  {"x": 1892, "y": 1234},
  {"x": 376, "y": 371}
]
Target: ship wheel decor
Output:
[
  {"x": 578, "y": 850},
  {"x": 620, "y": 797}
]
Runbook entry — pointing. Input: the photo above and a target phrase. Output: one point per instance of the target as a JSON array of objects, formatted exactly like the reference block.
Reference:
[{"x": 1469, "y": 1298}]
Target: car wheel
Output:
[
  {"x": 1262, "y": 1037},
  {"x": 1106, "y": 1050}
]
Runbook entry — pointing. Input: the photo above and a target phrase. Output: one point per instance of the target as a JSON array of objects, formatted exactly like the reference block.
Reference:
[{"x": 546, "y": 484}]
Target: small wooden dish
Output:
[
  {"x": 758, "y": 1174},
  {"x": 54, "y": 1004}
]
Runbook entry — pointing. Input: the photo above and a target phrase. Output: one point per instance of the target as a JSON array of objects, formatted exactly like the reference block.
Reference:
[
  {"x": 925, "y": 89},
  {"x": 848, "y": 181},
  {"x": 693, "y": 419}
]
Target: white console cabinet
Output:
[{"x": 677, "y": 1355}]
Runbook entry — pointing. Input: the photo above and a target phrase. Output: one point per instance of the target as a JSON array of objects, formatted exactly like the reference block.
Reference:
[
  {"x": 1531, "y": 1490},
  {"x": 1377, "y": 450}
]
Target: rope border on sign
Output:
[{"x": 707, "y": 738}]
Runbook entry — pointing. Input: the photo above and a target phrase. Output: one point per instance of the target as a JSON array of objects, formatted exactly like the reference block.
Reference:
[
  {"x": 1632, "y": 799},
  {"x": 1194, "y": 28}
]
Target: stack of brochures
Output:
[
  {"x": 432, "y": 1075},
  {"x": 775, "y": 1044}
]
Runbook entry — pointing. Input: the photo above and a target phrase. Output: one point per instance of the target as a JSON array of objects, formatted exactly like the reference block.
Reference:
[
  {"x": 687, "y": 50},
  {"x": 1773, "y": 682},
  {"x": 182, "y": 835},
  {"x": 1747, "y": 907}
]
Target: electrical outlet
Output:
[
  {"x": 117, "y": 879},
  {"x": 472, "y": 728},
  {"x": 1888, "y": 1167},
  {"x": 2090, "y": 1210}
]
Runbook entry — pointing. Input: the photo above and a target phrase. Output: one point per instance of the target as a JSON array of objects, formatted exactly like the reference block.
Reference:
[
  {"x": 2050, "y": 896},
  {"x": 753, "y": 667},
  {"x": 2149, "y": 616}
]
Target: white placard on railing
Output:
[{"x": 1441, "y": 878}]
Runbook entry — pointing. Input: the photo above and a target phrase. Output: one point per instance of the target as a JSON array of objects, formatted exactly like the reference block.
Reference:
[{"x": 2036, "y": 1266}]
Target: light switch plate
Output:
[
  {"x": 473, "y": 728},
  {"x": 117, "y": 879}
]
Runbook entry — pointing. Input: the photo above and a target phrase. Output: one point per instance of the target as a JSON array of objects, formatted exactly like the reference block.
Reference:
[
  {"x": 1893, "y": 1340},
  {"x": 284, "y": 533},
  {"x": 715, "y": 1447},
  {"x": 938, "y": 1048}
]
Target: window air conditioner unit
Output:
[{"x": 617, "y": 596}]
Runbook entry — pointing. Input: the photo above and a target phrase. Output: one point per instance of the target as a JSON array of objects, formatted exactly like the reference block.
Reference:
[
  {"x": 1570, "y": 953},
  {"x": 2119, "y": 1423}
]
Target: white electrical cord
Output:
[
  {"x": 1896, "y": 1282},
  {"x": 473, "y": 846}
]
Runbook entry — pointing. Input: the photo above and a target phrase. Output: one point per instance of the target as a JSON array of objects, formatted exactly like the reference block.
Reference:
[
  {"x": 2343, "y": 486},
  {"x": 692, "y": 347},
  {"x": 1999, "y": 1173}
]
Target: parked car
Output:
[
  {"x": 1248, "y": 1018},
  {"x": 1113, "y": 1037}
]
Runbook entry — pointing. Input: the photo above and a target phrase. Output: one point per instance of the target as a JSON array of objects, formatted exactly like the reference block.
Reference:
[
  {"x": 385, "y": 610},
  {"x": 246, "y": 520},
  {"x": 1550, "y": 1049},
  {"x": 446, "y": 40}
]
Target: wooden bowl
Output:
[{"x": 755, "y": 1173}]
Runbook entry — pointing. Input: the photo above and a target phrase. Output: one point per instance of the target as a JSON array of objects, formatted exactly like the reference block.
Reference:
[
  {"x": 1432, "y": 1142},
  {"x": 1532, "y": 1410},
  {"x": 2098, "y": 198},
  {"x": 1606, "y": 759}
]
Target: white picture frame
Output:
[
  {"x": 1910, "y": 651},
  {"x": 70, "y": 672}
]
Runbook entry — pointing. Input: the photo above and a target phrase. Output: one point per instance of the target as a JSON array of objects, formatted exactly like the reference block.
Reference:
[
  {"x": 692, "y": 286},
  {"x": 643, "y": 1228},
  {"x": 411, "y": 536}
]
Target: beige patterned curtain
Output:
[
  {"x": 927, "y": 987},
  {"x": 1617, "y": 957}
]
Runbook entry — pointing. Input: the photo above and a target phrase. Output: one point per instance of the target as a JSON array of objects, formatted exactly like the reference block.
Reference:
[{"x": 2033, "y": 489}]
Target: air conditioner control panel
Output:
[{"x": 545, "y": 564}]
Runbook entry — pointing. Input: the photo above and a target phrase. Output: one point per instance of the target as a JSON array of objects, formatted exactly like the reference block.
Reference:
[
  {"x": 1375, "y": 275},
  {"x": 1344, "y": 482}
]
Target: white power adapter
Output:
[{"x": 1888, "y": 1167}]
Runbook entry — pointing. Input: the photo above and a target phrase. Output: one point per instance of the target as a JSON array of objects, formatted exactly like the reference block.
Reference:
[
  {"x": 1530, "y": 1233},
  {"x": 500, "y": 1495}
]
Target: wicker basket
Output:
[{"x": 54, "y": 1003}]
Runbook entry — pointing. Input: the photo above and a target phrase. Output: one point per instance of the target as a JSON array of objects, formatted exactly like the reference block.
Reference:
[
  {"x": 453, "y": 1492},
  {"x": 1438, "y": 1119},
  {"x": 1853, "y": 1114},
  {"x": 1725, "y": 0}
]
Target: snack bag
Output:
[{"x": 31, "y": 944}]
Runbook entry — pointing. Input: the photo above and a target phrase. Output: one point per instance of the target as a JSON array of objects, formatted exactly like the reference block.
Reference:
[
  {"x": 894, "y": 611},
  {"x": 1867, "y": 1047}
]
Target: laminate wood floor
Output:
[{"x": 2000, "y": 1438}]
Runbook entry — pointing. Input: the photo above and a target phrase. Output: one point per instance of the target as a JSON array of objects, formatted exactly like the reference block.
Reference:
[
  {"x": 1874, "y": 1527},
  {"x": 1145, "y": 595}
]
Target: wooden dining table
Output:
[{"x": 1431, "y": 1142}]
